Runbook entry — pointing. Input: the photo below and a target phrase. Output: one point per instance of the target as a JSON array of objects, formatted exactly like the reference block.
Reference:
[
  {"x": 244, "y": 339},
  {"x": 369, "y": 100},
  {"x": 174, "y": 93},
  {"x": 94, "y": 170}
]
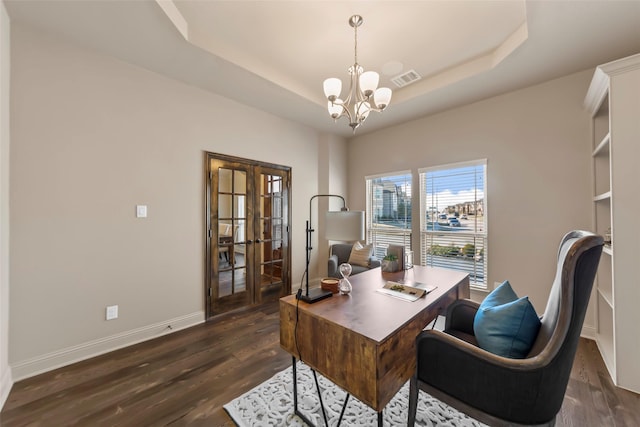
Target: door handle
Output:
[
  {"x": 258, "y": 240},
  {"x": 249, "y": 242}
]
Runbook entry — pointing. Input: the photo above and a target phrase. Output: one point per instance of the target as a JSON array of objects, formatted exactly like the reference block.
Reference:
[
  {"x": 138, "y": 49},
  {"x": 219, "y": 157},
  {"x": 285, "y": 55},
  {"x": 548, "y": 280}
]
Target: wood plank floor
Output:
[{"x": 185, "y": 378}]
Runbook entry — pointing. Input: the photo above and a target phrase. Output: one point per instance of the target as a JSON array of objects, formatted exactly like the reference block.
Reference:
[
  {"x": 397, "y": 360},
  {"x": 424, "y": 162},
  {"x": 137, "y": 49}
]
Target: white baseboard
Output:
[
  {"x": 6, "y": 382},
  {"x": 67, "y": 356},
  {"x": 589, "y": 332}
]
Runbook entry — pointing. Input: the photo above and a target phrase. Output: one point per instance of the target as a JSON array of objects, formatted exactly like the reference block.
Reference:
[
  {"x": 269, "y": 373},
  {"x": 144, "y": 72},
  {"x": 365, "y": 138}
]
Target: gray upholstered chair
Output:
[
  {"x": 502, "y": 391},
  {"x": 339, "y": 254}
]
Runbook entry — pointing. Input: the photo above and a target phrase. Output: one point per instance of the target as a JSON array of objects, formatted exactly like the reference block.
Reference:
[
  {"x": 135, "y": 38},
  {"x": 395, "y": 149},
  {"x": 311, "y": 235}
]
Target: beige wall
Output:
[
  {"x": 536, "y": 142},
  {"x": 5, "y": 62},
  {"x": 332, "y": 167},
  {"x": 93, "y": 137}
]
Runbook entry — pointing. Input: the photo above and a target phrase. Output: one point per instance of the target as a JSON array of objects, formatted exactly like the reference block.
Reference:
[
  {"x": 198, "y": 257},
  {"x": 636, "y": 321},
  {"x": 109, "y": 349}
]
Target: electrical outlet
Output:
[{"x": 112, "y": 312}]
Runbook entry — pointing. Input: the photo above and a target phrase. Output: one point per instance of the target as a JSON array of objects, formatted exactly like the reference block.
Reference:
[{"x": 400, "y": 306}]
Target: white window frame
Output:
[
  {"x": 400, "y": 236},
  {"x": 477, "y": 265}
]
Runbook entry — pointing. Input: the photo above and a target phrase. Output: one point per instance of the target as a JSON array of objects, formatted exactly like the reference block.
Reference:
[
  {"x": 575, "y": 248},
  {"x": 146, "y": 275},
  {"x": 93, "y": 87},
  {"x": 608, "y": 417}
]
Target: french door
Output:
[{"x": 247, "y": 238}]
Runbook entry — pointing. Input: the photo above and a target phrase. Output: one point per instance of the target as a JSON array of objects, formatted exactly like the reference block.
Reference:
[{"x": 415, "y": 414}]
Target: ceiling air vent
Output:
[{"x": 407, "y": 78}]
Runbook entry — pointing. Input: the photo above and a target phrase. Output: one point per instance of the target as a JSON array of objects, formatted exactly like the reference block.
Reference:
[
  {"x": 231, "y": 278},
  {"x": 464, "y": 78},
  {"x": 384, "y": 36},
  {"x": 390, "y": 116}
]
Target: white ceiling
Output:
[{"x": 274, "y": 55}]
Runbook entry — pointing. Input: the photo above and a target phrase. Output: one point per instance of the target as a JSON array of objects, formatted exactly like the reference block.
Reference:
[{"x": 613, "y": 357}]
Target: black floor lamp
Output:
[{"x": 343, "y": 225}]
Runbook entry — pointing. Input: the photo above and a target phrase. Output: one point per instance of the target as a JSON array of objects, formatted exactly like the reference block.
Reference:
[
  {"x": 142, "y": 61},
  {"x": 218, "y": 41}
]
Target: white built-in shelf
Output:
[
  {"x": 614, "y": 137},
  {"x": 603, "y": 145},
  {"x": 605, "y": 342},
  {"x": 603, "y": 196},
  {"x": 606, "y": 296}
]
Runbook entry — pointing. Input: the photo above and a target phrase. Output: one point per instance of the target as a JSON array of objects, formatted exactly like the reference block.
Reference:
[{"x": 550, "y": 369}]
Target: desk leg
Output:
[
  {"x": 295, "y": 396},
  {"x": 324, "y": 413},
  {"x": 295, "y": 386},
  {"x": 344, "y": 407},
  {"x": 380, "y": 418}
]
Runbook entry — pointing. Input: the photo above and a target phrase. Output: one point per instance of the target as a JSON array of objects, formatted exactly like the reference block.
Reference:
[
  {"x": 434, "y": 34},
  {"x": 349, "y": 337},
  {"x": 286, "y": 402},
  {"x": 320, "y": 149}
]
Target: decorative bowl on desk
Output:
[{"x": 330, "y": 284}]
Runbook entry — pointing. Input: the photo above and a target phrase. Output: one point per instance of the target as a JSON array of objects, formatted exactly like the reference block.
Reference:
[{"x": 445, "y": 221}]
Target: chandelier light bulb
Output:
[
  {"x": 369, "y": 82},
  {"x": 382, "y": 97},
  {"x": 332, "y": 88},
  {"x": 335, "y": 109}
]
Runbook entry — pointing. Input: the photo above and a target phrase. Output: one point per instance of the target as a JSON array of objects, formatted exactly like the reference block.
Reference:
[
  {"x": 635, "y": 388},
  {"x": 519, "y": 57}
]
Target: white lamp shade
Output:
[
  {"x": 382, "y": 97},
  {"x": 345, "y": 226},
  {"x": 332, "y": 87},
  {"x": 334, "y": 108},
  {"x": 369, "y": 82}
]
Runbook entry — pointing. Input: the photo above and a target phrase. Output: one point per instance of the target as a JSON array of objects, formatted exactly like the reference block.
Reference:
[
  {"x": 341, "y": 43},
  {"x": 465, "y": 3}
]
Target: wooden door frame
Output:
[{"x": 208, "y": 234}]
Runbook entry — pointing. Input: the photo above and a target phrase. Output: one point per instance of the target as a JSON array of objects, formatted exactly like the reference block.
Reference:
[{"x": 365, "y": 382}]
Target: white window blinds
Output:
[{"x": 453, "y": 219}]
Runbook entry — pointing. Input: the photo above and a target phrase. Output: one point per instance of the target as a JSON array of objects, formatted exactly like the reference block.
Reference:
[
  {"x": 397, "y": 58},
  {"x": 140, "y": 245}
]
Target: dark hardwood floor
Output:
[{"x": 184, "y": 379}]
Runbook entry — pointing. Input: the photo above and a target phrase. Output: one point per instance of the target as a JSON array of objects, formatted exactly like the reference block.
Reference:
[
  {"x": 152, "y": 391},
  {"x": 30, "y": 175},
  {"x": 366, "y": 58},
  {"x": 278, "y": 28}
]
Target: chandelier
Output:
[{"x": 364, "y": 94}]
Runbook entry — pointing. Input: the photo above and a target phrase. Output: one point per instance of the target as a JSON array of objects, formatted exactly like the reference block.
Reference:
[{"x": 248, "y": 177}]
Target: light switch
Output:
[
  {"x": 112, "y": 312},
  {"x": 141, "y": 211}
]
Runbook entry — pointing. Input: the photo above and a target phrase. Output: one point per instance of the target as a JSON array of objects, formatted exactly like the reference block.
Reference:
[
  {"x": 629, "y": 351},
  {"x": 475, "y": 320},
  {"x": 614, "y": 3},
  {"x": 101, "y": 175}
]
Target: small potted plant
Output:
[{"x": 389, "y": 263}]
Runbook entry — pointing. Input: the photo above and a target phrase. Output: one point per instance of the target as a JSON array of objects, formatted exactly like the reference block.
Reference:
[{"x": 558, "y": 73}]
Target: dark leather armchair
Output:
[
  {"x": 339, "y": 254},
  {"x": 502, "y": 391}
]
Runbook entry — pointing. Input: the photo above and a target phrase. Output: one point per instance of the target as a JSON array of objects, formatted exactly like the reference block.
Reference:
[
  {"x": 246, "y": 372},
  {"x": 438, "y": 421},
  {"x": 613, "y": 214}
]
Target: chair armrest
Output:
[
  {"x": 448, "y": 364},
  {"x": 374, "y": 262},
  {"x": 460, "y": 316},
  {"x": 332, "y": 266}
]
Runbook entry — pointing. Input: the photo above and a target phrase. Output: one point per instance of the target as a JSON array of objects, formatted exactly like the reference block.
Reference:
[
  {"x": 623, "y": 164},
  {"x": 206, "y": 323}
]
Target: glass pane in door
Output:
[
  {"x": 232, "y": 274},
  {"x": 272, "y": 235}
]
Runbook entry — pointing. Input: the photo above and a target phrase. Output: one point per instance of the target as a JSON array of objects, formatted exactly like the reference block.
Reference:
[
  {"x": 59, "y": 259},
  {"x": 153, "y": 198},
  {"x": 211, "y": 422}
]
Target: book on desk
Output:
[{"x": 411, "y": 291}]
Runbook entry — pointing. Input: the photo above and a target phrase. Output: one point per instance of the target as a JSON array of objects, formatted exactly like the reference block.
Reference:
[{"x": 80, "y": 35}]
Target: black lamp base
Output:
[{"x": 315, "y": 295}]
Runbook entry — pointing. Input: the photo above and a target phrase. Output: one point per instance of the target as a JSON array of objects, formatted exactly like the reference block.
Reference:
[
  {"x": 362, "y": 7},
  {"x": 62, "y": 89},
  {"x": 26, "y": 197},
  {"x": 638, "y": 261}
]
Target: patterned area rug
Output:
[{"x": 271, "y": 404}]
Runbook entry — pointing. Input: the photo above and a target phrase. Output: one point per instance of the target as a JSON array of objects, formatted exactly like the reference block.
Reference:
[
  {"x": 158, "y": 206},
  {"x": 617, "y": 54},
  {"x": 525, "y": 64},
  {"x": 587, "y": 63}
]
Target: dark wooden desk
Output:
[{"x": 365, "y": 342}]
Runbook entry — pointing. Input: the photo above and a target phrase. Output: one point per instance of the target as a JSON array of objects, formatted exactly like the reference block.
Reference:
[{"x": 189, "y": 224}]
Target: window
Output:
[
  {"x": 389, "y": 211},
  {"x": 453, "y": 218}
]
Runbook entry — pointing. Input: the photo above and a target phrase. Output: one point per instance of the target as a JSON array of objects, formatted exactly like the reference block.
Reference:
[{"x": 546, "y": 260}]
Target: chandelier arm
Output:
[
  {"x": 357, "y": 96},
  {"x": 345, "y": 110},
  {"x": 361, "y": 98},
  {"x": 348, "y": 103},
  {"x": 353, "y": 88}
]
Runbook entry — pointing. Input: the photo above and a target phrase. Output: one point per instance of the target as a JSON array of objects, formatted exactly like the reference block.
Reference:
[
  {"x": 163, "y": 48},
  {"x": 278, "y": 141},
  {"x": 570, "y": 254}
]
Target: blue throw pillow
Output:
[
  {"x": 500, "y": 295},
  {"x": 505, "y": 324}
]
